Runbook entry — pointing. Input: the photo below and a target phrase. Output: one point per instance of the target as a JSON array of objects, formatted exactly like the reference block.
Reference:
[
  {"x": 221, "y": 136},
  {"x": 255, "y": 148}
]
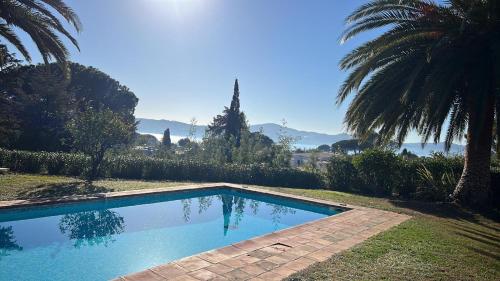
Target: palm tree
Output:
[
  {"x": 433, "y": 64},
  {"x": 36, "y": 18}
]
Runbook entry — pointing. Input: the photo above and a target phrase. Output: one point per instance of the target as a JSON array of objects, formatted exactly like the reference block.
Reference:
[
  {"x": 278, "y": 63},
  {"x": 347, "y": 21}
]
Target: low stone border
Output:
[
  {"x": 11, "y": 204},
  {"x": 272, "y": 256}
]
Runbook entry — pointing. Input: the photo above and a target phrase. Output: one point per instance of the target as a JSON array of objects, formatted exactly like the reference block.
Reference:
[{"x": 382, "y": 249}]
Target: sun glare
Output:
[{"x": 180, "y": 9}]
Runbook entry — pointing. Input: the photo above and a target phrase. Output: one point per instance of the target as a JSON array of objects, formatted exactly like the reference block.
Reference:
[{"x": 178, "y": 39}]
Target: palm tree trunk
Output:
[{"x": 473, "y": 188}]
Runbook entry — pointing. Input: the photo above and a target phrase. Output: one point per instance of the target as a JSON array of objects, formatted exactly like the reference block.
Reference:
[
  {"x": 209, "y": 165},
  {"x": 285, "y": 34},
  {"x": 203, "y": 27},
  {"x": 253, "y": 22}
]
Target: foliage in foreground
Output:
[
  {"x": 37, "y": 103},
  {"x": 94, "y": 133},
  {"x": 382, "y": 172},
  {"x": 39, "y": 19}
]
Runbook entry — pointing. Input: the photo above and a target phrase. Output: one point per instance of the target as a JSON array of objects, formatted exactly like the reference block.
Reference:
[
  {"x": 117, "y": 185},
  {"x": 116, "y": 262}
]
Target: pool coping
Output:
[{"x": 272, "y": 256}]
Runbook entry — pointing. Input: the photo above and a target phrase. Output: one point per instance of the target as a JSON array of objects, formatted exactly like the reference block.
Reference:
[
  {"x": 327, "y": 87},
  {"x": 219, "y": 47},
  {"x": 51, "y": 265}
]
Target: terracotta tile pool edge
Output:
[
  {"x": 23, "y": 203},
  {"x": 272, "y": 256}
]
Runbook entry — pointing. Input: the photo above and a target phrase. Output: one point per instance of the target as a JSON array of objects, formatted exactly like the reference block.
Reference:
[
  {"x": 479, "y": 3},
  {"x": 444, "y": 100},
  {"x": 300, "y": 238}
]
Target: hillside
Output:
[
  {"x": 180, "y": 129},
  {"x": 305, "y": 139}
]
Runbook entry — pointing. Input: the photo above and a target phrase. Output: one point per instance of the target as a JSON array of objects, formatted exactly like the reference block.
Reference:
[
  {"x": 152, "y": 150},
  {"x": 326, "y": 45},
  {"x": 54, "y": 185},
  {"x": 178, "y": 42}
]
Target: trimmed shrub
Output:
[
  {"x": 408, "y": 172},
  {"x": 75, "y": 164},
  {"x": 125, "y": 167},
  {"x": 132, "y": 167},
  {"x": 341, "y": 174},
  {"x": 382, "y": 172},
  {"x": 495, "y": 185},
  {"x": 438, "y": 176},
  {"x": 5, "y": 158},
  {"x": 22, "y": 161},
  {"x": 54, "y": 163},
  {"x": 374, "y": 171},
  {"x": 378, "y": 171}
]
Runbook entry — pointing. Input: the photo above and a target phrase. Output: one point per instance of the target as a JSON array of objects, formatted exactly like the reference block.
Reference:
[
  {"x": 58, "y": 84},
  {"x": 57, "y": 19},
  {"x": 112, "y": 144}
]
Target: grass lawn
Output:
[
  {"x": 440, "y": 242},
  {"x": 27, "y": 186}
]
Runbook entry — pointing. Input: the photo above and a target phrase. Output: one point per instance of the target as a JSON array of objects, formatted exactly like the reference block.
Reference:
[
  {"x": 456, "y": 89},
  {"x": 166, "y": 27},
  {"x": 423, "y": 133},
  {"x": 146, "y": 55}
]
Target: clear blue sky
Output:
[{"x": 180, "y": 57}]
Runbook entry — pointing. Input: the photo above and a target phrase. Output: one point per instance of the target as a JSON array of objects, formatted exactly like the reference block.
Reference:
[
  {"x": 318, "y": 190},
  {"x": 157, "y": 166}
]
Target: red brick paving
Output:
[{"x": 278, "y": 255}]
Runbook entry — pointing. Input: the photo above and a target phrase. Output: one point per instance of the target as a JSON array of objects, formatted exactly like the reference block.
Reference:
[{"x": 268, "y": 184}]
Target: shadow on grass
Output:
[
  {"x": 62, "y": 189},
  {"x": 484, "y": 235},
  {"x": 449, "y": 210},
  {"x": 464, "y": 230},
  {"x": 489, "y": 242},
  {"x": 484, "y": 253},
  {"x": 486, "y": 239}
]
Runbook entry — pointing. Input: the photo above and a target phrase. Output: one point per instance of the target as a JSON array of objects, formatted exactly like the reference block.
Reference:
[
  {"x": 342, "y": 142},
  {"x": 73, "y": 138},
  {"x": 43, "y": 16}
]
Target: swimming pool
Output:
[{"x": 103, "y": 239}]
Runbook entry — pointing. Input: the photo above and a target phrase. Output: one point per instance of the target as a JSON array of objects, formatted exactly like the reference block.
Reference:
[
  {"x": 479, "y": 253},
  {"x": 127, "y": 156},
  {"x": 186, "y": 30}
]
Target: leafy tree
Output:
[
  {"x": 313, "y": 162},
  {"x": 406, "y": 154},
  {"x": 166, "y": 142},
  {"x": 145, "y": 140},
  {"x": 92, "y": 227},
  {"x": 284, "y": 148},
  {"x": 46, "y": 108},
  {"x": 255, "y": 148},
  {"x": 345, "y": 146},
  {"x": 10, "y": 120},
  {"x": 355, "y": 145},
  {"x": 341, "y": 173},
  {"x": 434, "y": 63},
  {"x": 96, "y": 89},
  {"x": 232, "y": 122},
  {"x": 38, "y": 20},
  {"x": 183, "y": 142},
  {"x": 8, "y": 241},
  {"x": 219, "y": 150},
  {"x": 192, "y": 129},
  {"x": 324, "y": 148},
  {"x": 38, "y": 101},
  {"x": 190, "y": 147},
  {"x": 95, "y": 132}
]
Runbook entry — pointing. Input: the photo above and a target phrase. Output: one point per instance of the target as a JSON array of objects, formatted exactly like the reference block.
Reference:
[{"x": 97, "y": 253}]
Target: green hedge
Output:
[
  {"x": 382, "y": 172},
  {"x": 342, "y": 174},
  {"x": 377, "y": 172},
  {"x": 53, "y": 163},
  {"x": 133, "y": 167}
]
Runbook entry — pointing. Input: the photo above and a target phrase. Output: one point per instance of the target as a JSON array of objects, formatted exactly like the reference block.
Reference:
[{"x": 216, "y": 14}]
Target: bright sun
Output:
[{"x": 176, "y": 8}]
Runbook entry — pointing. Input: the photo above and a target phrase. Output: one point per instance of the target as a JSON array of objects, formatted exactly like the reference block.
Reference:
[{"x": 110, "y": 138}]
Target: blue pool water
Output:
[{"x": 100, "y": 240}]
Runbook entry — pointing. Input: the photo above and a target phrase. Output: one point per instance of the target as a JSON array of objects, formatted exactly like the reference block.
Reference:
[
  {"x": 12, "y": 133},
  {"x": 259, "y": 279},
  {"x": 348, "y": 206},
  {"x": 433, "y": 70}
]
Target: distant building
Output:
[
  {"x": 147, "y": 150},
  {"x": 301, "y": 159}
]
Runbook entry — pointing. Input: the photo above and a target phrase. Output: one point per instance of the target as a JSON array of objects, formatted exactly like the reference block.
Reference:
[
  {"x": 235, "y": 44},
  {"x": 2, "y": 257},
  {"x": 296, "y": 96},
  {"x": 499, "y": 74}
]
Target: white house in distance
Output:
[{"x": 301, "y": 159}]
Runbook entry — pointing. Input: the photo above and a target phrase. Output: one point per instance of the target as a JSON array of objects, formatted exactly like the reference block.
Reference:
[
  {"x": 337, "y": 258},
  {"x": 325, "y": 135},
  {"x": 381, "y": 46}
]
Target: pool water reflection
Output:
[{"x": 103, "y": 239}]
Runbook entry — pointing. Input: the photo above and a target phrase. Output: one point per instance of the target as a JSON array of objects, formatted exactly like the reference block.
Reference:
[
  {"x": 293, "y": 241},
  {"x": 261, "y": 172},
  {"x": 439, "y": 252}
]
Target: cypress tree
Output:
[
  {"x": 232, "y": 121},
  {"x": 233, "y": 125},
  {"x": 166, "y": 138}
]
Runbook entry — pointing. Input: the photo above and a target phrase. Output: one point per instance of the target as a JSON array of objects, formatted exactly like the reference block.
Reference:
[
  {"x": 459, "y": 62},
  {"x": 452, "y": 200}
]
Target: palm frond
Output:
[
  {"x": 7, "y": 33},
  {"x": 412, "y": 76},
  {"x": 41, "y": 25}
]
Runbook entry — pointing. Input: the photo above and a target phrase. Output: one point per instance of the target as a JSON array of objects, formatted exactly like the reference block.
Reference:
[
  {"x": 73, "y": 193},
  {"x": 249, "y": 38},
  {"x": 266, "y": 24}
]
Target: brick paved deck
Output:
[{"x": 270, "y": 257}]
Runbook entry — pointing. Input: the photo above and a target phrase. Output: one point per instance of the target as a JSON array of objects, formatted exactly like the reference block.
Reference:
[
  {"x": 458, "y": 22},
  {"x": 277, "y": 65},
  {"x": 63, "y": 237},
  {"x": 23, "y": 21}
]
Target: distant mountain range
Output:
[
  {"x": 305, "y": 139},
  {"x": 432, "y": 147},
  {"x": 152, "y": 126}
]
